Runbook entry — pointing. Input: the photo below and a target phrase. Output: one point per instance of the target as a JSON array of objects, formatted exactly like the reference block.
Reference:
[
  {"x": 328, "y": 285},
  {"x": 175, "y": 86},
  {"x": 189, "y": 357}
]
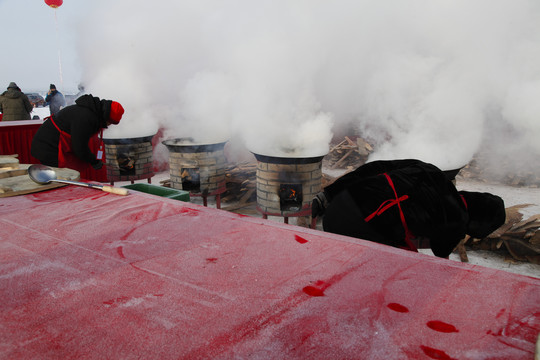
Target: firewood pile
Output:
[
  {"x": 241, "y": 187},
  {"x": 517, "y": 237},
  {"x": 349, "y": 154}
]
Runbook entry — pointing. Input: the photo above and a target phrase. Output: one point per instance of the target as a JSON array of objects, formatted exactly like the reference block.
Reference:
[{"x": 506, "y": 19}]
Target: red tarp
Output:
[{"x": 87, "y": 274}]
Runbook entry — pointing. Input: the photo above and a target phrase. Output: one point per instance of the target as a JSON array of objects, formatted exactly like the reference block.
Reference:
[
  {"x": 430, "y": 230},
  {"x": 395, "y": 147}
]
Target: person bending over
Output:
[
  {"x": 406, "y": 203},
  {"x": 63, "y": 139}
]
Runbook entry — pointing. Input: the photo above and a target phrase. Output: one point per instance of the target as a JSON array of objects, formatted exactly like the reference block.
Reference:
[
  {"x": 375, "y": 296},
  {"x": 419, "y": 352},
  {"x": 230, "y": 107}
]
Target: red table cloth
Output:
[
  {"x": 16, "y": 138},
  {"x": 87, "y": 274}
]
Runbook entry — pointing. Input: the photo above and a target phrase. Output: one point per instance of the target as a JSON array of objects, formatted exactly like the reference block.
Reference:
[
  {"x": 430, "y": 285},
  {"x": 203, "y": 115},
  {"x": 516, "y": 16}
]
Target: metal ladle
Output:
[{"x": 43, "y": 174}]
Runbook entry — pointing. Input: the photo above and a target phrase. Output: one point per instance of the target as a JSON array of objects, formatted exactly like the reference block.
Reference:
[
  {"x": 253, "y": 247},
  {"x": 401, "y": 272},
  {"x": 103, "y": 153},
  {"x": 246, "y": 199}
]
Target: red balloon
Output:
[{"x": 54, "y": 3}]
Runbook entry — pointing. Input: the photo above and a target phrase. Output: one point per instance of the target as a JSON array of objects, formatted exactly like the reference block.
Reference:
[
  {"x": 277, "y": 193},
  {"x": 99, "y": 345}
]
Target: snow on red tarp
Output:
[{"x": 87, "y": 274}]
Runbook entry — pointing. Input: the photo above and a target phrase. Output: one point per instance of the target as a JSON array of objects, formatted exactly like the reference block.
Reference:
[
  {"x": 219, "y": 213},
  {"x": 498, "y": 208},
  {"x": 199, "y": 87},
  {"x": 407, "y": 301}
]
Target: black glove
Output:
[
  {"x": 97, "y": 165},
  {"x": 319, "y": 204}
]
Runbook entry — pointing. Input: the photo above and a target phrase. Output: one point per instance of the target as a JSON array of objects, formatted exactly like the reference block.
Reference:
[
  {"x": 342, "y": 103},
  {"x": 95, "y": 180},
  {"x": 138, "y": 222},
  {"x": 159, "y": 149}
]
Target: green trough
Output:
[{"x": 160, "y": 191}]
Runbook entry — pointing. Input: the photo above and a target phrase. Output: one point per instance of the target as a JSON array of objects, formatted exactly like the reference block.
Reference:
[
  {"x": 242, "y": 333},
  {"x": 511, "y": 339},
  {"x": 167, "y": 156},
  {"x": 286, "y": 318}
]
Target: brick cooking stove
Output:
[
  {"x": 129, "y": 159},
  {"x": 197, "y": 168},
  {"x": 287, "y": 185}
]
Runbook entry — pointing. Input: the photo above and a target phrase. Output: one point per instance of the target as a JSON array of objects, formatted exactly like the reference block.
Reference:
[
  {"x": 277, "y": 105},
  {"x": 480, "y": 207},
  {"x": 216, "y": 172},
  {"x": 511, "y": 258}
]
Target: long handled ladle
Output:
[{"x": 42, "y": 174}]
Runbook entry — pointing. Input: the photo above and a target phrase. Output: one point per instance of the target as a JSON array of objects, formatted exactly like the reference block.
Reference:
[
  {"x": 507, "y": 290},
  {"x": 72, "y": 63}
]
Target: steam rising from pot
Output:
[{"x": 419, "y": 79}]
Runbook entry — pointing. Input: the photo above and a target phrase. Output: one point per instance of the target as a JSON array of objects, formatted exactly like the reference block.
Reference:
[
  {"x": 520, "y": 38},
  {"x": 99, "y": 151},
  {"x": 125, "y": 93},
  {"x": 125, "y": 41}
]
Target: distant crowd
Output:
[{"x": 17, "y": 105}]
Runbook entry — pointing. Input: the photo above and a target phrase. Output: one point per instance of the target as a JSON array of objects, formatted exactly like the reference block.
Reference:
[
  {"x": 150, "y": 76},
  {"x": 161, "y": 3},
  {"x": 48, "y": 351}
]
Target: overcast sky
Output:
[
  {"x": 421, "y": 79},
  {"x": 32, "y": 43}
]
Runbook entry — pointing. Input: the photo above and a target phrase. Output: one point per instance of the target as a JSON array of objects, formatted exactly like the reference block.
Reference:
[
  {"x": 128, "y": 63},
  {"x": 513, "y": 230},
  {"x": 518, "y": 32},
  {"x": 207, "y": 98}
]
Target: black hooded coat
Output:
[
  {"x": 82, "y": 121},
  {"x": 382, "y": 201}
]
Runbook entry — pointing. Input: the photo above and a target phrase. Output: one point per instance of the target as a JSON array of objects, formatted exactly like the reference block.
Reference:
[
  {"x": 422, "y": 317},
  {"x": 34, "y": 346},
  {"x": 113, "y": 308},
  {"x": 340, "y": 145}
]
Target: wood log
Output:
[
  {"x": 350, "y": 142},
  {"x": 342, "y": 159},
  {"x": 460, "y": 248},
  {"x": 335, "y": 147},
  {"x": 242, "y": 203}
]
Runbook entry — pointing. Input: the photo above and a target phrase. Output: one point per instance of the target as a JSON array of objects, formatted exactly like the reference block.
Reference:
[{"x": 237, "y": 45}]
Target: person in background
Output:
[
  {"x": 54, "y": 99},
  {"x": 63, "y": 139},
  {"x": 406, "y": 204},
  {"x": 70, "y": 99},
  {"x": 80, "y": 87},
  {"x": 14, "y": 104}
]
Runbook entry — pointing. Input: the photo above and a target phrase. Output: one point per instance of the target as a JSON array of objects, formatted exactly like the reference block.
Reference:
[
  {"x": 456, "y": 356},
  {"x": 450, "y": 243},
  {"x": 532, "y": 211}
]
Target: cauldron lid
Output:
[
  {"x": 288, "y": 160},
  {"x": 125, "y": 141},
  {"x": 187, "y": 145}
]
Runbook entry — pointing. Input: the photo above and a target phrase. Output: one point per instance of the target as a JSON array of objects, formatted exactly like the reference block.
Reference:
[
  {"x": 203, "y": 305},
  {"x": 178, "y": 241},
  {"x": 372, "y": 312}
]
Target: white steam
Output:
[{"x": 420, "y": 78}]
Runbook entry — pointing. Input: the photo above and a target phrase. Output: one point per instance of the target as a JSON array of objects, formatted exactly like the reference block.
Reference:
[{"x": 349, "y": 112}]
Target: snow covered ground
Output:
[{"x": 42, "y": 112}]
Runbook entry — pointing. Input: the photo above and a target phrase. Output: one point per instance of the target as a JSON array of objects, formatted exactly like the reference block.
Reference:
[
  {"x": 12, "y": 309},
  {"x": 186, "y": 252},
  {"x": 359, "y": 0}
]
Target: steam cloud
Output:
[{"x": 419, "y": 79}]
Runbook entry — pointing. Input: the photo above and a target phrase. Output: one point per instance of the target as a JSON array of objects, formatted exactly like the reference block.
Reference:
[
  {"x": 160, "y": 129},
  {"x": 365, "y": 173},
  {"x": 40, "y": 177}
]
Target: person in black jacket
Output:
[
  {"x": 63, "y": 139},
  {"x": 404, "y": 203}
]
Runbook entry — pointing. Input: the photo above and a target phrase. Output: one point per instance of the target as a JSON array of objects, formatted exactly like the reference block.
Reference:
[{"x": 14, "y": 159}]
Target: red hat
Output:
[{"x": 116, "y": 113}]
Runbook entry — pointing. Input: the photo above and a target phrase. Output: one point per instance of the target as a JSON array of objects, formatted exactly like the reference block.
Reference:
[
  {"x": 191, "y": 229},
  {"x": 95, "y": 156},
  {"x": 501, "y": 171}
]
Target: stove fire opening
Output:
[
  {"x": 191, "y": 179},
  {"x": 290, "y": 197},
  {"x": 126, "y": 163}
]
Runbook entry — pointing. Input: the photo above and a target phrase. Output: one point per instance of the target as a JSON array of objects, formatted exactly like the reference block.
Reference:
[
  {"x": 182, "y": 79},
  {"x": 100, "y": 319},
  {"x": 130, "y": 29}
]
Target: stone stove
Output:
[
  {"x": 197, "y": 168},
  {"x": 129, "y": 159},
  {"x": 287, "y": 185}
]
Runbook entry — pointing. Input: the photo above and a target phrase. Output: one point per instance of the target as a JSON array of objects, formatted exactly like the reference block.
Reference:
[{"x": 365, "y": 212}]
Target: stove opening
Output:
[
  {"x": 126, "y": 163},
  {"x": 290, "y": 197},
  {"x": 191, "y": 179}
]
